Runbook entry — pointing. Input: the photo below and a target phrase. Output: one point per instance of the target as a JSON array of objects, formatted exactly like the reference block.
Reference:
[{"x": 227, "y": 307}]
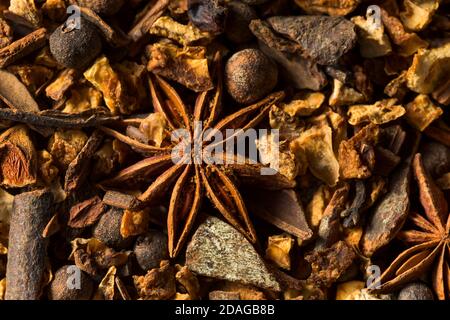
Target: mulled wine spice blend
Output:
[{"x": 224, "y": 149}]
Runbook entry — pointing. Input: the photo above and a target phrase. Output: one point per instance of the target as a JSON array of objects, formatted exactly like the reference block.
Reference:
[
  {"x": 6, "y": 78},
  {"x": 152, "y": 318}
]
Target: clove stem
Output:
[{"x": 27, "y": 248}]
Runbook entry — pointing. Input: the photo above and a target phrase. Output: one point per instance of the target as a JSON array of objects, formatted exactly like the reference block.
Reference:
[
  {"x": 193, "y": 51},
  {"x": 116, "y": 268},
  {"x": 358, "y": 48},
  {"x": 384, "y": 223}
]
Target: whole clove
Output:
[{"x": 27, "y": 248}]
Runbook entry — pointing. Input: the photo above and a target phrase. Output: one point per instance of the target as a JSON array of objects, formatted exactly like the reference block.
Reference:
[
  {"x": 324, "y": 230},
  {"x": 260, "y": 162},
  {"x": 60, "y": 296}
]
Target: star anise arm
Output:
[
  {"x": 431, "y": 197},
  {"x": 421, "y": 222},
  {"x": 224, "y": 195},
  {"x": 173, "y": 108},
  {"x": 140, "y": 170},
  {"x": 440, "y": 275},
  {"x": 208, "y": 113},
  {"x": 136, "y": 145},
  {"x": 247, "y": 117},
  {"x": 415, "y": 236},
  {"x": 448, "y": 225},
  {"x": 183, "y": 209},
  {"x": 409, "y": 265},
  {"x": 160, "y": 186}
]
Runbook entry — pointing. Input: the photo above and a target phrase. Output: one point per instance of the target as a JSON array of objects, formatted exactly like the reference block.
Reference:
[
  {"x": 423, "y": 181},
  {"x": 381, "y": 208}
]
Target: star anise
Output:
[
  {"x": 430, "y": 241},
  {"x": 187, "y": 180}
]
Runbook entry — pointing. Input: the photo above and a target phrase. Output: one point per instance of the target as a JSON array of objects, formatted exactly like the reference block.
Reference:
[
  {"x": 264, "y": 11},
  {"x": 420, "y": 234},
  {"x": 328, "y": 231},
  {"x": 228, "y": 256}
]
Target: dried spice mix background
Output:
[{"x": 353, "y": 98}]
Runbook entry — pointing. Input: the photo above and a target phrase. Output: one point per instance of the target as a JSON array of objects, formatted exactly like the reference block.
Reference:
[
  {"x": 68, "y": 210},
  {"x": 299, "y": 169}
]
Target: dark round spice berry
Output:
[
  {"x": 207, "y": 15},
  {"x": 76, "y": 47},
  {"x": 239, "y": 17},
  {"x": 250, "y": 75},
  {"x": 107, "y": 230},
  {"x": 102, "y": 7},
  {"x": 66, "y": 285},
  {"x": 416, "y": 291},
  {"x": 150, "y": 249}
]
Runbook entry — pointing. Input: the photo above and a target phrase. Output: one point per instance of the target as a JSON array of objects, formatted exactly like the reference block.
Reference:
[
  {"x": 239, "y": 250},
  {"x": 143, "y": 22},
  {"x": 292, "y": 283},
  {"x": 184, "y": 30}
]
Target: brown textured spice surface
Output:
[
  {"x": 390, "y": 213},
  {"x": 27, "y": 248},
  {"x": 222, "y": 149},
  {"x": 219, "y": 251},
  {"x": 325, "y": 39}
]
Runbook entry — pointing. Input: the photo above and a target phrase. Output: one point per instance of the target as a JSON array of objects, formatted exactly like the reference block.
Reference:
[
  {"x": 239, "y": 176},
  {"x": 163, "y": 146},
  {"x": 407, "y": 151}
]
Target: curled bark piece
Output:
[
  {"x": 151, "y": 13},
  {"x": 330, "y": 225},
  {"x": 22, "y": 47},
  {"x": 57, "y": 119},
  {"x": 27, "y": 247},
  {"x": 295, "y": 62},
  {"x": 78, "y": 168},
  {"x": 390, "y": 214}
]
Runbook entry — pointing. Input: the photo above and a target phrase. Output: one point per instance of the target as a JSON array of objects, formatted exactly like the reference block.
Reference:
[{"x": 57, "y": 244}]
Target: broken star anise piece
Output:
[
  {"x": 430, "y": 241},
  {"x": 187, "y": 178}
]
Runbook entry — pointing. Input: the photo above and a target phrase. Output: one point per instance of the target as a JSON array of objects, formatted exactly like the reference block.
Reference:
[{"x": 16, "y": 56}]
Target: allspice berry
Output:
[
  {"x": 239, "y": 17},
  {"x": 150, "y": 249},
  {"x": 70, "y": 283},
  {"x": 102, "y": 7},
  {"x": 76, "y": 46},
  {"x": 416, "y": 291},
  {"x": 250, "y": 76},
  {"x": 107, "y": 230}
]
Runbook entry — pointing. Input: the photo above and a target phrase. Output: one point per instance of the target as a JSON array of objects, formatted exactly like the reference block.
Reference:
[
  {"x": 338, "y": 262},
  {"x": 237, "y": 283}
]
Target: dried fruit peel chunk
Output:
[
  {"x": 353, "y": 159},
  {"x": 373, "y": 42},
  {"x": 381, "y": 112},
  {"x": 64, "y": 146},
  {"x": 304, "y": 104},
  {"x": 408, "y": 43},
  {"x": 107, "y": 81},
  {"x": 418, "y": 13},
  {"x": 421, "y": 112},
  {"x": 184, "y": 34},
  {"x": 330, "y": 7},
  {"x": 188, "y": 65},
  {"x": 429, "y": 69},
  {"x": 343, "y": 95},
  {"x": 278, "y": 250},
  {"x": 83, "y": 99},
  {"x": 27, "y": 10},
  {"x": 317, "y": 145}
]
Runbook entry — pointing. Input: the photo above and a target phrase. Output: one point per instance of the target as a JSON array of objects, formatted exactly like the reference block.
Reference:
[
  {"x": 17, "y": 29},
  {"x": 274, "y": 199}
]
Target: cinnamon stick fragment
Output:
[
  {"x": 27, "y": 248},
  {"x": 22, "y": 47},
  {"x": 120, "y": 200},
  {"x": 152, "y": 11},
  {"x": 57, "y": 119}
]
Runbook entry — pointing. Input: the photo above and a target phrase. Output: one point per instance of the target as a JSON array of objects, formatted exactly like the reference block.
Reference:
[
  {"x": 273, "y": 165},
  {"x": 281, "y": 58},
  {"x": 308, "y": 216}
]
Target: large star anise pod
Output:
[
  {"x": 430, "y": 241},
  {"x": 187, "y": 181}
]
